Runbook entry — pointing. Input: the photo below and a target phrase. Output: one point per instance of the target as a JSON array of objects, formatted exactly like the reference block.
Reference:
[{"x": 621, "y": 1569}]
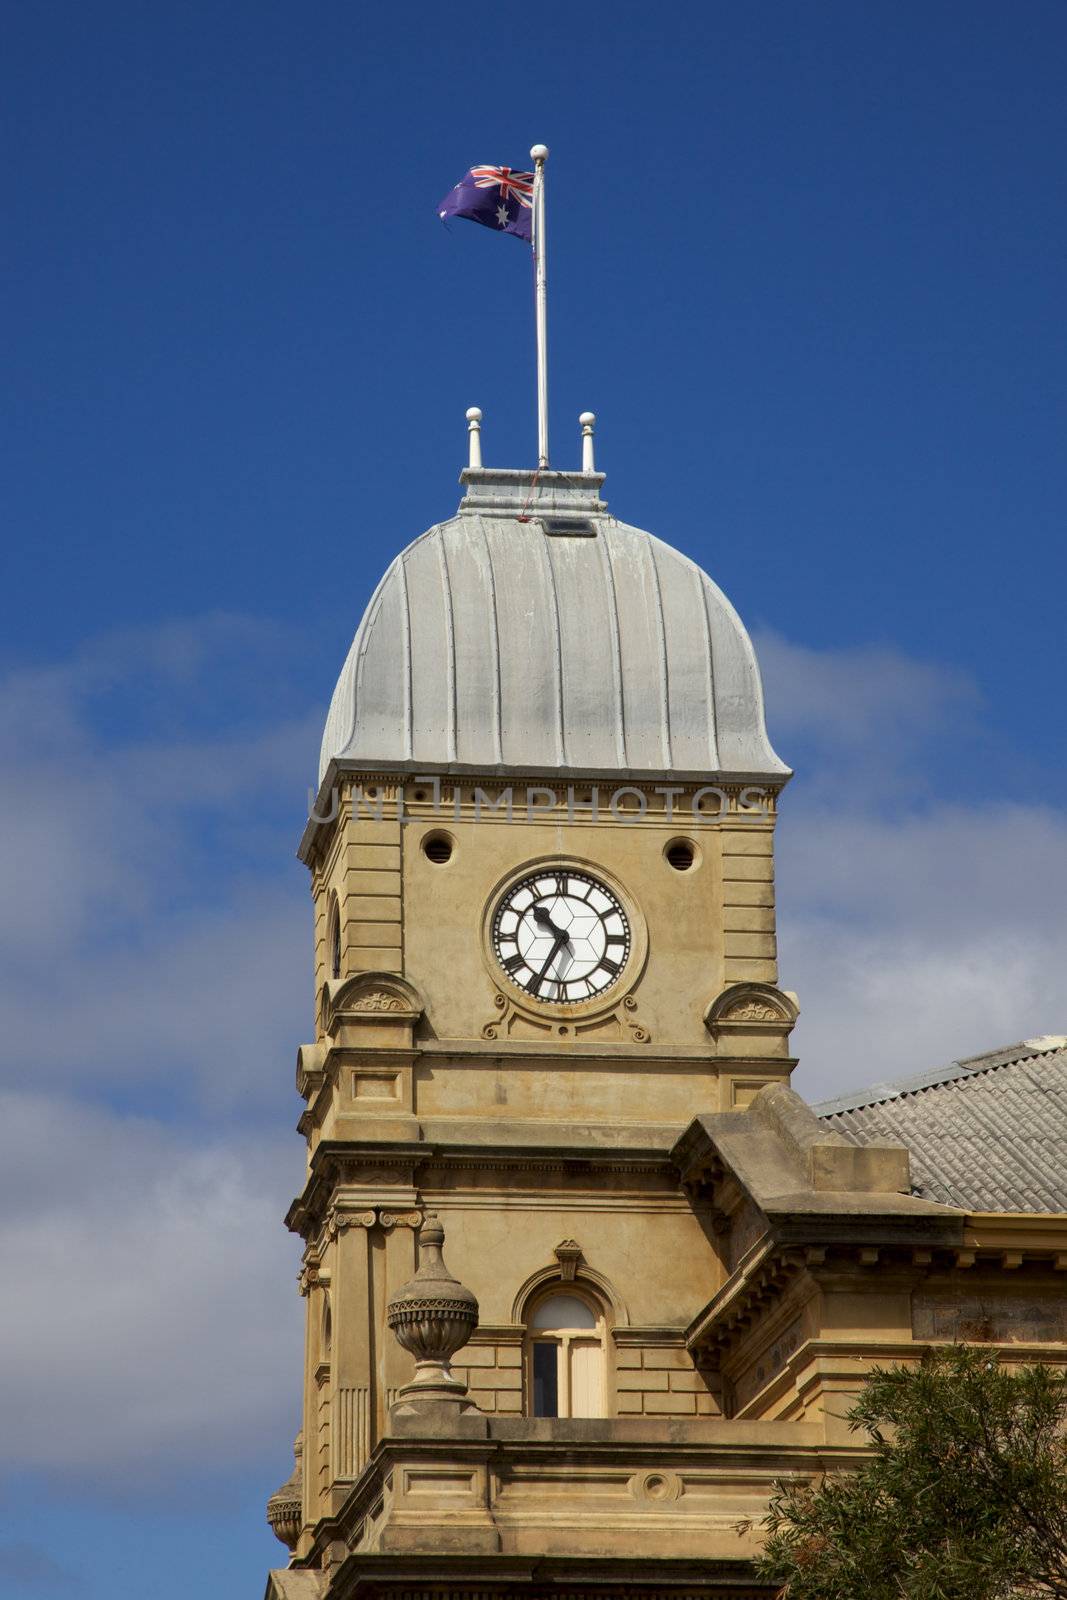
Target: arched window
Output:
[
  {"x": 565, "y": 1373},
  {"x": 334, "y": 938}
]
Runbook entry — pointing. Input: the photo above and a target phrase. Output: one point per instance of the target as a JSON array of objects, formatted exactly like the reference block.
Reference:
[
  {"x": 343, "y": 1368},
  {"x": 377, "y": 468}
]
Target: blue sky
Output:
[{"x": 807, "y": 267}]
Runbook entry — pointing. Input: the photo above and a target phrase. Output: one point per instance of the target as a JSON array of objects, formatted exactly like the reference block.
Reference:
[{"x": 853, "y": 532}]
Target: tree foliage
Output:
[{"x": 964, "y": 1496}]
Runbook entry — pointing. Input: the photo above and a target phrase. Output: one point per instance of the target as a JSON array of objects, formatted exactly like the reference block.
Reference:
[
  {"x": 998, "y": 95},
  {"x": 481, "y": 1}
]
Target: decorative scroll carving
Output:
[
  {"x": 400, "y": 1219},
  {"x": 563, "y": 1021},
  {"x": 490, "y": 1029},
  {"x": 310, "y": 1275},
  {"x": 378, "y": 1000},
  {"x": 752, "y": 1011},
  {"x": 338, "y": 1221}
]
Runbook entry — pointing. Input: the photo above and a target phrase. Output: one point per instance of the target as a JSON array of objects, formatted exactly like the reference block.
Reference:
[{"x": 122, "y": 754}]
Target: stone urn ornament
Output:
[
  {"x": 284, "y": 1508},
  {"x": 433, "y": 1316}
]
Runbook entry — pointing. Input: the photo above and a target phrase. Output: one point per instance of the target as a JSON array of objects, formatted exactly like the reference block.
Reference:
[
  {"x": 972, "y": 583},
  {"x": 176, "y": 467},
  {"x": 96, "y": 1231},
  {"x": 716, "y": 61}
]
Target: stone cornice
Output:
[
  {"x": 857, "y": 1256},
  {"x": 395, "y": 1163},
  {"x": 571, "y": 1578},
  {"x": 761, "y": 1449},
  {"x": 320, "y": 830}
]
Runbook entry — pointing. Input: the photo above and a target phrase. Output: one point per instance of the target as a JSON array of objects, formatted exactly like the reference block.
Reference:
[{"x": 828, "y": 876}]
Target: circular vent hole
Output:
[
  {"x": 681, "y": 855},
  {"x": 438, "y": 848}
]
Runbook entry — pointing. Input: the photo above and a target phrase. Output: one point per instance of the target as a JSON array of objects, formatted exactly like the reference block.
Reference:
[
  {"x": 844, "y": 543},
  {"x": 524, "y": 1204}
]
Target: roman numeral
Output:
[
  {"x": 613, "y": 968},
  {"x": 514, "y": 964}
]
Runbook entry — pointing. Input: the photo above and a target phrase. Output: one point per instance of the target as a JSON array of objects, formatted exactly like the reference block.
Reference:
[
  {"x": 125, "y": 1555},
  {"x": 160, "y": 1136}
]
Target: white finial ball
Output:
[
  {"x": 587, "y": 419},
  {"x": 539, "y": 152},
  {"x": 474, "y": 414}
]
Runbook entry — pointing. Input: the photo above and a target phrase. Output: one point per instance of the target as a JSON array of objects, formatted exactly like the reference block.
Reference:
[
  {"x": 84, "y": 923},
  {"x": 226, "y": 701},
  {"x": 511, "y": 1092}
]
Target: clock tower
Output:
[
  {"x": 550, "y": 1043},
  {"x": 542, "y": 873}
]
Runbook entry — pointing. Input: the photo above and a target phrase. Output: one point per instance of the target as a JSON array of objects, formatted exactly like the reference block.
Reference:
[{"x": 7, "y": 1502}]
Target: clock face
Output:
[{"x": 561, "y": 936}]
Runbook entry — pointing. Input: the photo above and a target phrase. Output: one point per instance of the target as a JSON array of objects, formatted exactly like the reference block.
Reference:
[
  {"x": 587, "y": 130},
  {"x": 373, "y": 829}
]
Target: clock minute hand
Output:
[{"x": 561, "y": 940}]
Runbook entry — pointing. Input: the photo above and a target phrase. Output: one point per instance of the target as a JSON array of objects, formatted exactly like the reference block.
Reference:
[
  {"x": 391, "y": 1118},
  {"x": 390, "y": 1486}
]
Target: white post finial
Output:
[
  {"x": 588, "y": 423},
  {"x": 539, "y": 155},
  {"x": 474, "y": 438}
]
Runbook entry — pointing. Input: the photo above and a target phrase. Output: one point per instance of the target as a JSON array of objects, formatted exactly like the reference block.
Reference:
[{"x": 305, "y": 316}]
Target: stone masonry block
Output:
[
  {"x": 373, "y": 958},
  {"x": 476, "y": 1355},
  {"x": 748, "y": 869},
  {"x": 687, "y": 1383},
  {"x": 670, "y": 1405},
  {"x": 641, "y": 1380},
  {"x": 383, "y": 935},
  {"x": 748, "y": 919},
  {"x": 508, "y": 1355},
  {"x": 484, "y": 1399},
  {"x": 373, "y": 857},
  {"x": 627, "y": 1359},
  {"x": 747, "y": 841},
  {"x": 668, "y": 1356},
  {"x": 742, "y": 969},
  {"x": 629, "y": 1404},
  {"x": 367, "y": 830},
  {"x": 384, "y": 880},
  {"x": 372, "y": 908},
  {"x": 508, "y": 1378},
  {"x": 509, "y": 1403},
  {"x": 749, "y": 944},
  {"x": 747, "y": 894}
]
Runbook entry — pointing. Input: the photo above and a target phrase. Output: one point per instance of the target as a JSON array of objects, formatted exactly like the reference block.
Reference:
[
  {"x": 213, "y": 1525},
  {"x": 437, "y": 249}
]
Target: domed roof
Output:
[{"x": 566, "y": 641}]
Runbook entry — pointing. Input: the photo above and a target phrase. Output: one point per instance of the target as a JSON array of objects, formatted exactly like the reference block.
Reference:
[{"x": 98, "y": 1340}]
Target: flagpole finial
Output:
[
  {"x": 474, "y": 437},
  {"x": 539, "y": 152},
  {"x": 587, "y": 422}
]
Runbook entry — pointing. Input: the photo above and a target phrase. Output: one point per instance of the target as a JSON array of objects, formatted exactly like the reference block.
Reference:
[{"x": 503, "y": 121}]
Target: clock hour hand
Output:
[{"x": 543, "y": 920}]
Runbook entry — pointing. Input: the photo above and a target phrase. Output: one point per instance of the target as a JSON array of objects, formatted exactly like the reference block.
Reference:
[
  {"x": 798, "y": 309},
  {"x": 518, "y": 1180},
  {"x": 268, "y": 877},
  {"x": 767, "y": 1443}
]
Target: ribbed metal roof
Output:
[
  {"x": 499, "y": 644},
  {"x": 988, "y": 1133}
]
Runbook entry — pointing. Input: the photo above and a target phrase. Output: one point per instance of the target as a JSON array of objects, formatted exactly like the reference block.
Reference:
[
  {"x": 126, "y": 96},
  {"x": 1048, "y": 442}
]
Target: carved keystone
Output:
[{"x": 568, "y": 1254}]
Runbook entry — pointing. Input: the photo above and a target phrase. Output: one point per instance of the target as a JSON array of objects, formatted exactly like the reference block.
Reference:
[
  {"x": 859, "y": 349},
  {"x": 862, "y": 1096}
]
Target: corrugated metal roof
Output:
[
  {"x": 988, "y": 1133},
  {"x": 494, "y": 644}
]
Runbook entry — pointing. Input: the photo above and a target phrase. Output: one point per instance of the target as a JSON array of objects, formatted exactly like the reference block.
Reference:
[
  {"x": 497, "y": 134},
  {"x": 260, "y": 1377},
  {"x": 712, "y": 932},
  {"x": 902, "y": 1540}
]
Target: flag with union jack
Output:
[{"x": 497, "y": 197}]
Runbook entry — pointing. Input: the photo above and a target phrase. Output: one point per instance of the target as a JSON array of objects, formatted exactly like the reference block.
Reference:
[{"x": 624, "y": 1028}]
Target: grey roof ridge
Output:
[{"x": 967, "y": 1067}]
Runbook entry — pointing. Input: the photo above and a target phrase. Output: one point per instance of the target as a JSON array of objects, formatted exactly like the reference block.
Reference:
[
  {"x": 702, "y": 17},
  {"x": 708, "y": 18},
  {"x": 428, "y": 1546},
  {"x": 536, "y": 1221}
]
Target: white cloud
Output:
[
  {"x": 154, "y": 921},
  {"x": 915, "y": 929},
  {"x": 157, "y": 948},
  {"x": 862, "y": 719},
  {"x": 152, "y": 1319}
]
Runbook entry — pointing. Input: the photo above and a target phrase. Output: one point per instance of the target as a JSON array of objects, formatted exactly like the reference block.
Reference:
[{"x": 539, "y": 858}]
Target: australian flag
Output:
[{"x": 497, "y": 197}]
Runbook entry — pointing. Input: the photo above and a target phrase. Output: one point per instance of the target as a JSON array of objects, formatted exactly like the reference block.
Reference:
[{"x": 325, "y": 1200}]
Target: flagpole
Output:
[{"x": 539, "y": 155}]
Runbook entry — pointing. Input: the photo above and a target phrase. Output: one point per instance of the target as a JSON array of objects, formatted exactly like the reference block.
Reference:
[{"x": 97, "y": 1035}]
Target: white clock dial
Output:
[{"x": 561, "y": 936}]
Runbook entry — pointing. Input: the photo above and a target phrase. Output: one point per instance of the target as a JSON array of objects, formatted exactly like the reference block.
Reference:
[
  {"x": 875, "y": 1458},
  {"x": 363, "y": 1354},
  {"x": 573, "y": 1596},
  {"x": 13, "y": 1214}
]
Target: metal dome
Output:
[{"x": 567, "y": 641}]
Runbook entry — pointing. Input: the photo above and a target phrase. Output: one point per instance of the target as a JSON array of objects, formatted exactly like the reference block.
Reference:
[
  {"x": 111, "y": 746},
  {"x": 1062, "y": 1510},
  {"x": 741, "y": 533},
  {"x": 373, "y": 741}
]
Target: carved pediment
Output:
[
  {"x": 751, "y": 1008},
  {"x": 368, "y": 997}
]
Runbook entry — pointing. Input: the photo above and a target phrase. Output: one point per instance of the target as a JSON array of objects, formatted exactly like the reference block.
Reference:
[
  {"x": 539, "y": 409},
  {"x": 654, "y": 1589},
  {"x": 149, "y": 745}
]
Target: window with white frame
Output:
[{"x": 565, "y": 1372}]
